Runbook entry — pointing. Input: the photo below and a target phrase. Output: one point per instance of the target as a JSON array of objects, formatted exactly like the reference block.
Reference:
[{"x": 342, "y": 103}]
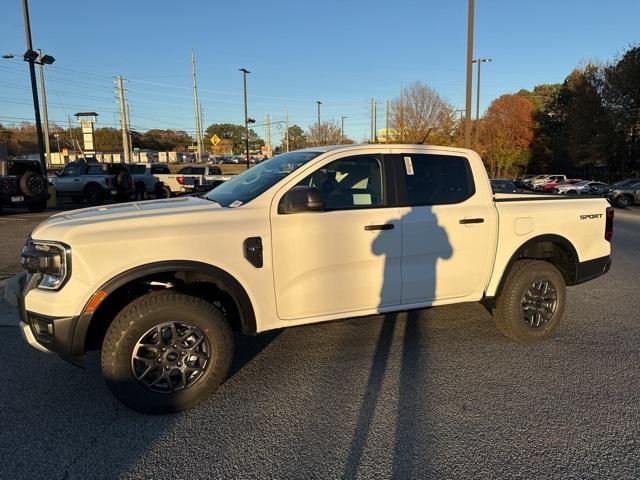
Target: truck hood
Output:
[{"x": 133, "y": 211}]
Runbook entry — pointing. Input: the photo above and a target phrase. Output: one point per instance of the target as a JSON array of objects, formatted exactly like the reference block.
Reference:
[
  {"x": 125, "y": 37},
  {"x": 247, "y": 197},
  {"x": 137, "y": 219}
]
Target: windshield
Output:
[{"x": 248, "y": 185}]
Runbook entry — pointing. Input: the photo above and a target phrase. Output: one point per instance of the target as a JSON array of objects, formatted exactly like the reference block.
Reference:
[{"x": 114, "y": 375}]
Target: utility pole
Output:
[
  {"x": 371, "y": 126},
  {"x": 245, "y": 72},
  {"x": 375, "y": 122},
  {"x": 129, "y": 130},
  {"x": 386, "y": 127},
  {"x": 45, "y": 112},
  {"x": 73, "y": 145},
  {"x": 320, "y": 135},
  {"x": 32, "y": 76},
  {"x": 467, "y": 119},
  {"x": 267, "y": 119},
  {"x": 400, "y": 114},
  {"x": 123, "y": 122},
  {"x": 479, "y": 61},
  {"x": 196, "y": 108},
  {"x": 286, "y": 129},
  {"x": 201, "y": 117},
  {"x": 342, "y": 128}
]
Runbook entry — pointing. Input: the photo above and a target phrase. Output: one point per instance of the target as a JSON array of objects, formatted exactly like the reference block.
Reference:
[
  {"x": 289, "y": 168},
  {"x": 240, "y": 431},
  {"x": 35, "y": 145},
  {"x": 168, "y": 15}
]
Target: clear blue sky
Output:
[{"x": 342, "y": 53}]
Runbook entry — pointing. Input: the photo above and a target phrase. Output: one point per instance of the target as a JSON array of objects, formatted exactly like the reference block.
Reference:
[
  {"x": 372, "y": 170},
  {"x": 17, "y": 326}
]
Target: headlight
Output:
[{"x": 50, "y": 260}]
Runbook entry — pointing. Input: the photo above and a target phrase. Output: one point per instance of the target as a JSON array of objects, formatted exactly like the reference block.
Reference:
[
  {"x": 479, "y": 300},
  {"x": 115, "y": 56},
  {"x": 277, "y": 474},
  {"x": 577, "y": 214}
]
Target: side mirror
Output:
[{"x": 301, "y": 199}]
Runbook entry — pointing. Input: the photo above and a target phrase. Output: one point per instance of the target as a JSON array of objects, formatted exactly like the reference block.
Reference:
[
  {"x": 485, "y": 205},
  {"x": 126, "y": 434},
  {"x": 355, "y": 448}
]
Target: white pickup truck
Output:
[
  {"x": 172, "y": 184},
  {"x": 309, "y": 236},
  {"x": 206, "y": 177}
]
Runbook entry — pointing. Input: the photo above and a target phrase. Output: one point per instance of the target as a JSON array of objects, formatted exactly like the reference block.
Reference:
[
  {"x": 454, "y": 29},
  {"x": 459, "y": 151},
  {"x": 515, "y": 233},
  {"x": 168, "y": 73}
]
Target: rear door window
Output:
[
  {"x": 95, "y": 170},
  {"x": 432, "y": 179},
  {"x": 160, "y": 169}
]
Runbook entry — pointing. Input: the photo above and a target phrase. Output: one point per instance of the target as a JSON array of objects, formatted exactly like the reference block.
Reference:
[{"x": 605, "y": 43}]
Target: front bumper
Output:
[{"x": 44, "y": 333}]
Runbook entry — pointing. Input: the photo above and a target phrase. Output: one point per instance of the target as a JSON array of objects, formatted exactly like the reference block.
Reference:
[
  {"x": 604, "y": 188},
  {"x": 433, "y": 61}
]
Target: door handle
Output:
[
  {"x": 466, "y": 221},
  {"x": 386, "y": 226}
]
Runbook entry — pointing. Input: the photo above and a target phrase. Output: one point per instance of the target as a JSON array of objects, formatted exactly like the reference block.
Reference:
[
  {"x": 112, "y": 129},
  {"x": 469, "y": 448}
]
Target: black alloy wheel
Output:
[
  {"x": 539, "y": 303},
  {"x": 170, "y": 357}
]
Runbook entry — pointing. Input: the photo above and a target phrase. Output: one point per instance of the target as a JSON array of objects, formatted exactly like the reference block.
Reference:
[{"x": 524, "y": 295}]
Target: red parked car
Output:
[{"x": 548, "y": 187}]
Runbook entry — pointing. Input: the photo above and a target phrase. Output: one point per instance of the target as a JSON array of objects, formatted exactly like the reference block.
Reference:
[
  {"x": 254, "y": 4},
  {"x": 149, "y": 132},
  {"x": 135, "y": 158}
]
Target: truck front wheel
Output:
[
  {"x": 166, "y": 351},
  {"x": 530, "y": 306}
]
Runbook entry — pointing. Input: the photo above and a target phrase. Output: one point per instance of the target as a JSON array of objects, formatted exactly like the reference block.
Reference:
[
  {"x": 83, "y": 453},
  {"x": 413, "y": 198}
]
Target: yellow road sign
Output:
[{"x": 215, "y": 139}]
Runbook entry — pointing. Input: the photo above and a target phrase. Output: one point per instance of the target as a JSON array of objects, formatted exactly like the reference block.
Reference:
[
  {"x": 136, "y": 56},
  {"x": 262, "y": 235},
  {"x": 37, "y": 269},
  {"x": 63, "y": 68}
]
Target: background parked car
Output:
[
  {"x": 145, "y": 179},
  {"x": 503, "y": 186},
  {"x": 23, "y": 183},
  {"x": 205, "y": 177},
  {"x": 521, "y": 181},
  {"x": 537, "y": 182},
  {"x": 578, "y": 187},
  {"x": 551, "y": 186},
  {"x": 625, "y": 195},
  {"x": 167, "y": 184},
  {"x": 599, "y": 189},
  {"x": 94, "y": 182}
]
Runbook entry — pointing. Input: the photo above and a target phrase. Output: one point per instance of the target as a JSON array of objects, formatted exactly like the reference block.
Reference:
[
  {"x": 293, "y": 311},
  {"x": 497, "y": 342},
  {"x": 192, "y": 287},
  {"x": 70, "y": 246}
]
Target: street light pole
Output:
[
  {"x": 479, "y": 61},
  {"x": 45, "y": 113},
  {"x": 34, "y": 88},
  {"x": 467, "y": 119},
  {"x": 319, "y": 103},
  {"x": 246, "y": 114}
]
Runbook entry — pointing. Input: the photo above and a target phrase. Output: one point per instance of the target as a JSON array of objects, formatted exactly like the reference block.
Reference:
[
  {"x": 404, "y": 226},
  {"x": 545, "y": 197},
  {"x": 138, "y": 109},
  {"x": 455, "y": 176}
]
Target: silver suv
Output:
[{"x": 93, "y": 182}]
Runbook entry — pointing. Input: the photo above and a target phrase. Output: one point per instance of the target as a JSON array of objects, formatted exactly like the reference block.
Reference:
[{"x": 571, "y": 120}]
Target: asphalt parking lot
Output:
[{"x": 436, "y": 393}]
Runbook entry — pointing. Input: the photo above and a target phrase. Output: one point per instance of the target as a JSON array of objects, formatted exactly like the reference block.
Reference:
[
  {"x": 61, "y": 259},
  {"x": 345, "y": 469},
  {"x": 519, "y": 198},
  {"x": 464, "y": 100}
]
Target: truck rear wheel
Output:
[
  {"x": 166, "y": 351},
  {"x": 94, "y": 195},
  {"x": 530, "y": 306}
]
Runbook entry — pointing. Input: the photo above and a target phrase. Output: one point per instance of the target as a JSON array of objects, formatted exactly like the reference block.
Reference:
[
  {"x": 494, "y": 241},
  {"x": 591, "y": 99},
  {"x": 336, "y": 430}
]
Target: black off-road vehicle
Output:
[{"x": 23, "y": 183}]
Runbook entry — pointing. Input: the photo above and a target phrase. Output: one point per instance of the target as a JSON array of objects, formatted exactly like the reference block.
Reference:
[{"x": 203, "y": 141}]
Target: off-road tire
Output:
[
  {"x": 508, "y": 315},
  {"x": 143, "y": 314},
  {"x": 32, "y": 184},
  {"x": 124, "y": 181},
  {"x": 94, "y": 195},
  {"x": 163, "y": 192}
]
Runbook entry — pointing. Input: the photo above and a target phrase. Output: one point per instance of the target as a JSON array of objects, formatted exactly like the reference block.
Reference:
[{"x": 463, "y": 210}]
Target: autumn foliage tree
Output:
[{"x": 506, "y": 131}]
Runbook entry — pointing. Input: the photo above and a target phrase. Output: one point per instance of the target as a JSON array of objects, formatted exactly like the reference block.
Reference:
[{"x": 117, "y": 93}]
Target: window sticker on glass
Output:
[
  {"x": 408, "y": 165},
  {"x": 235, "y": 204}
]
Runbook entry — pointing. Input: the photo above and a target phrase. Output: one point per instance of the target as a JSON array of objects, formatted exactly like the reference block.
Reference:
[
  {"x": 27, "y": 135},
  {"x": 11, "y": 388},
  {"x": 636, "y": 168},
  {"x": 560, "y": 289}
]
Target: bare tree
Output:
[
  {"x": 417, "y": 111},
  {"x": 327, "y": 133}
]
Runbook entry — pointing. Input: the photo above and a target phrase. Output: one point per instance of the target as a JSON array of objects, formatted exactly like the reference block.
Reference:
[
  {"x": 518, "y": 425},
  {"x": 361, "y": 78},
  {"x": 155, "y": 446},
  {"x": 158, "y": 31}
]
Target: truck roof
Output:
[{"x": 378, "y": 146}]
